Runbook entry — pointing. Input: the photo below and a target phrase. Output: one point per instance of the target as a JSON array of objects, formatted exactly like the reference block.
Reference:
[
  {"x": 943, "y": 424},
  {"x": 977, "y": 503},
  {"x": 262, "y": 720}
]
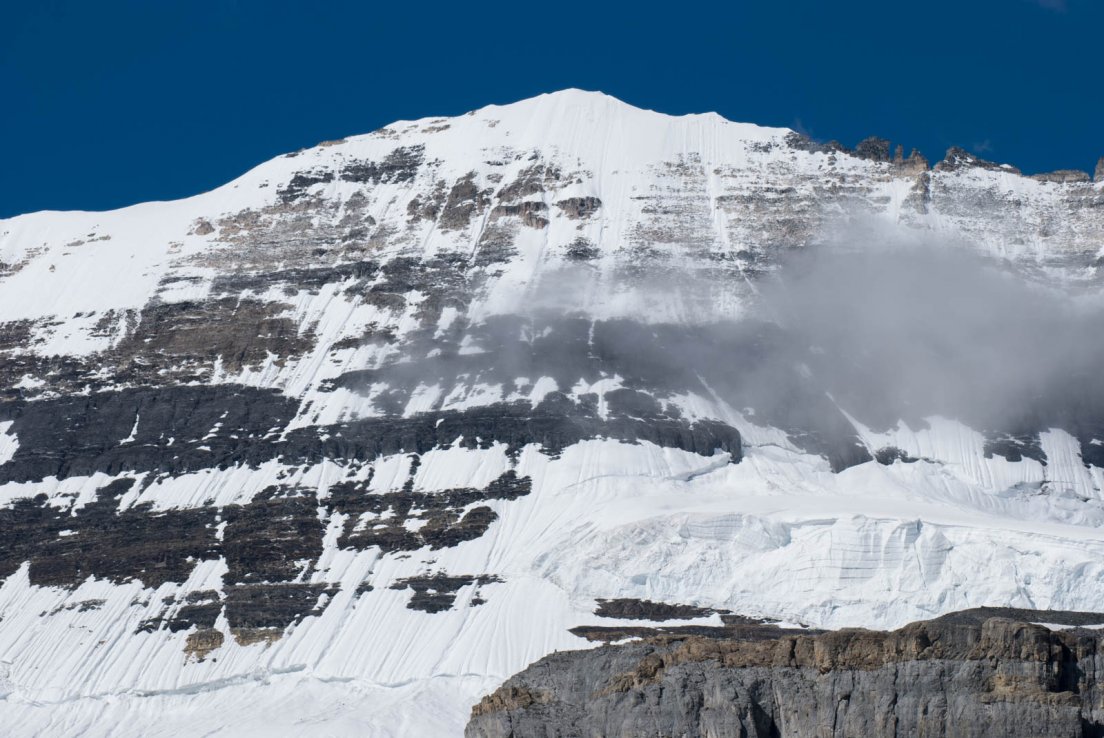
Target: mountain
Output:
[{"x": 342, "y": 445}]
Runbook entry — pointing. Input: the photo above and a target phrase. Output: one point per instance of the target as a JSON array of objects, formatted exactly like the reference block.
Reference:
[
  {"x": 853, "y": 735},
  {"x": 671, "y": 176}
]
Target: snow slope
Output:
[{"x": 299, "y": 370}]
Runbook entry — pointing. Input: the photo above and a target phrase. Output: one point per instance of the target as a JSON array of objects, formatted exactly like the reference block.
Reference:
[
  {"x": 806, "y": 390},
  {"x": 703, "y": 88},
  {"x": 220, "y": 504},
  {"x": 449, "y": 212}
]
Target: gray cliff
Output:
[{"x": 984, "y": 672}]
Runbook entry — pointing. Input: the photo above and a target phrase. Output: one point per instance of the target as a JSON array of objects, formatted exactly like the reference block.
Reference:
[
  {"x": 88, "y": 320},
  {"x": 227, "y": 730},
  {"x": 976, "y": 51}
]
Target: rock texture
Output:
[{"x": 975, "y": 673}]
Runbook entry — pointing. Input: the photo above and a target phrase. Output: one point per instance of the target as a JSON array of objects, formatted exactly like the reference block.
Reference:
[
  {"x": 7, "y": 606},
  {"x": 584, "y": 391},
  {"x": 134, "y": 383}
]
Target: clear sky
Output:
[{"x": 103, "y": 104}]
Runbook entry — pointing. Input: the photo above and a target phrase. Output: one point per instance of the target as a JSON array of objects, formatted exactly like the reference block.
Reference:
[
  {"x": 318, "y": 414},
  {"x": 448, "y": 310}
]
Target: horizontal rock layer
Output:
[{"x": 984, "y": 672}]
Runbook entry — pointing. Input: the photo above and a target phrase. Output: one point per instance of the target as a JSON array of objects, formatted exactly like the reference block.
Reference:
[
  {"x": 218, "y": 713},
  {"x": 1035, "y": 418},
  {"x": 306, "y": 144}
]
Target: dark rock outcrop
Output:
[
  {"x": 174, "y": 430},
  {"x": 438, "y": 592},
  {"x": 873, "y": 148},
  {"x": 442, "y": 519},
  {"x": 464, "y": 200},
  {"x": 530, "y": 212},
  {"x": 582, "y": 250},
  {"x": 401, "y": 165},
  {"x": 272, "y": 605},
  {"x": 100, "y": 541},
  {"x": 167, "y": 430},
  {"x": 802, "y": 142},
  {"x": 579, "y": 207},
  {"x": 631, "y": 609},
  {"x": 732, "y": 626},
  {"x": 958, "y": 157},
  {"x": 984, "y": 672},
  {"x": 888, "y": 455},
  {"x": 1014, "y": 447},
  {"x": 267, "y": 540},
  {"x": 1063, "y": 176}
]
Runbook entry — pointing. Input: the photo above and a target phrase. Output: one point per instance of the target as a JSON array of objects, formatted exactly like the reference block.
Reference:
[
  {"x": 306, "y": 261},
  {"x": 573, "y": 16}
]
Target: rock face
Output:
[
  {"x": 973, "y": 673},
  {"x": 1063, "y": 176}
]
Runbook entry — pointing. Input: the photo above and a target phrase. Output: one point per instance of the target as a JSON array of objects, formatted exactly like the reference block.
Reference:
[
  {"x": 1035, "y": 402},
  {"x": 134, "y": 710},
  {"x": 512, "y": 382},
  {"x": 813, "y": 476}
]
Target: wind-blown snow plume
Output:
[
  {"x": 891, "y": 325},
  {"x": 910, "y": 329}
]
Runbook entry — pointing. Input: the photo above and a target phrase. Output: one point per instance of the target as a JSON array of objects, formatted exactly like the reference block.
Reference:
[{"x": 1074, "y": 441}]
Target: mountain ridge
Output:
[{"x": 591, "y": 98}]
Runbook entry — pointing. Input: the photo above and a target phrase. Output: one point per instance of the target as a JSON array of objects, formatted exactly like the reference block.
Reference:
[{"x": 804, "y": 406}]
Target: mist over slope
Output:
[
  {"x": 928, "y": 328},
  {"x": 885, "y": 324},
  {"x": 350, "y": 440}
]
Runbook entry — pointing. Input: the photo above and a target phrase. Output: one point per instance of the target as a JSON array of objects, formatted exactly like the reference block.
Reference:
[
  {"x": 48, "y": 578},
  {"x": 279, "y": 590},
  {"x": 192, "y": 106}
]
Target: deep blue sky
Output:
[{"x": 103, "y": 104}]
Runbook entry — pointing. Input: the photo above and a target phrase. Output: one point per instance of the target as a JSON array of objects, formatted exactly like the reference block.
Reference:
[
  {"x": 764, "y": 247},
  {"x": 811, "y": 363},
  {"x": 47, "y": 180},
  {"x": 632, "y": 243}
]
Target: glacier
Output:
[{"x": 306, "y": 453}]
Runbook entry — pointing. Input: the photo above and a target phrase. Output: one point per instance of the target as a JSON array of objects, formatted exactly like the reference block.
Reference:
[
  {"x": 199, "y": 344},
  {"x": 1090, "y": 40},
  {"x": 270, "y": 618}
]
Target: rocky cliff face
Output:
[
  {"x": 349, "y": 440},
  {"x": 973, "y": 673}
]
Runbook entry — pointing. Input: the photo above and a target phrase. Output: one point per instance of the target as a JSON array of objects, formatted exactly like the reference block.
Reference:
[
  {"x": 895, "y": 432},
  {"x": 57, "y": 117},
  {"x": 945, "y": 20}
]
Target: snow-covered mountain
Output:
[{"x": 343, "y": 444}]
